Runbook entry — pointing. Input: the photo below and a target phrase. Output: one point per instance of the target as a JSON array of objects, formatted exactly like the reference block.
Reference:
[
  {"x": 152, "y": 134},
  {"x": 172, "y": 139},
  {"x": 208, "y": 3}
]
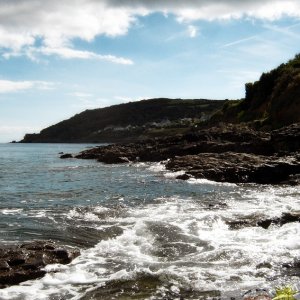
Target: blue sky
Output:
[{"x": 57, "y": 59}]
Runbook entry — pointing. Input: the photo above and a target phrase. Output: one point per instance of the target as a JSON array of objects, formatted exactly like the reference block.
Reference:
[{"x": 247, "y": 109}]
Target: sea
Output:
[{"x": 142, "y": 233}]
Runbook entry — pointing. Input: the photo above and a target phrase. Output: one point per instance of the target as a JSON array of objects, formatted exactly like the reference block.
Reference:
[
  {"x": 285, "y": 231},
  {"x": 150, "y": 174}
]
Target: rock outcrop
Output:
[
  {"x": 225, "y": 153},
  {"x": 285, "y": 218},
  {"x": 27, "y": 261},
  {"x": 238, "y": 167},
  {"x": 66, "y": 155}
]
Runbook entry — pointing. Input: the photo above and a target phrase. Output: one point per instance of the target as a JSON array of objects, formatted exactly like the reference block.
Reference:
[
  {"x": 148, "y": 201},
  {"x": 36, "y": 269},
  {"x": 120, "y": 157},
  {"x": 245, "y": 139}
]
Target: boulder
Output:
[
  {"x": 225, "y": 153},
  {"x": 67, "y": 155},
  {"x": 285, "y": 218},
  {"x": 286, "y": 139},
  {"x": 237, "y": 167},
  {"x": 27, "y": 261}
]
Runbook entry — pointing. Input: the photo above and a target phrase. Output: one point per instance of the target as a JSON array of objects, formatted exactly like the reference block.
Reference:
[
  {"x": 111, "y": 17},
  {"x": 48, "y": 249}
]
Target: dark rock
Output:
[
  {"x": 237, "y": 167},
  {"x": 220, "y": 205},
  {"x": 292, "y": 268},
  {"x": 241, "y": 223},
  {"x": 38, "y": 245},
  {"x": 286, "y": 139},
  {"x": 228, "y": 153},
  {"x": 16, "y": 261},
  {"x": 284, "y": 219},
  {"x": 264, "y": 265},
  {"x": 4, "y": 266},
  {"x": 67, "y": 155},
  {"x": 183, "y": 177},
  {"x": 266, "y": 223},
  {"x": 25, "y": 262}
]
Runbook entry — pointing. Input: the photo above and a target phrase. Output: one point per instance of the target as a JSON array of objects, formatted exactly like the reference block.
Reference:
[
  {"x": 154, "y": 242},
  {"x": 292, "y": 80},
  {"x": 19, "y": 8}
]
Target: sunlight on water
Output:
[{"x": 142, "y": 233}]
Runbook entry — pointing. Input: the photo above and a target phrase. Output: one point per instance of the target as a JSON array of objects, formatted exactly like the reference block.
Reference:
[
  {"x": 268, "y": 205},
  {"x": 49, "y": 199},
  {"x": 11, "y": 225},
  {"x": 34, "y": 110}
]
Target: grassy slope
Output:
[
  {"x": 88, "y": 126},
  {"x": 271, "y": 102}
]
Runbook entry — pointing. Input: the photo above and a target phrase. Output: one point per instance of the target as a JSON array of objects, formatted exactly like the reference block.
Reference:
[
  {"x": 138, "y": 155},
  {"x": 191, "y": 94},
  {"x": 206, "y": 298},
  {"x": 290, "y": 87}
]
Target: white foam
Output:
[
  {"x": 87, "y": 216},
  {"x": 223, "y": 259},
  {"x": 157, "y": 167},
  {"x": 11, "y": 211},
  {"x": 209, "y": 182},
  {"x": 173, "y": 174}
]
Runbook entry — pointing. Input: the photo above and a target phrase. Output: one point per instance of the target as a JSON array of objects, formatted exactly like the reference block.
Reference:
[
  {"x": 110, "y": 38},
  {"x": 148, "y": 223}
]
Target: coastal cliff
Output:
[{"x": 271, "y": 102}]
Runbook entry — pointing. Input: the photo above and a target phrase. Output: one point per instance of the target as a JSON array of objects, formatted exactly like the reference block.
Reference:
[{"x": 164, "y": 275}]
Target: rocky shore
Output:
[
  {"x": 27, "y": 261},
  {"x": 224, "y": 153}
]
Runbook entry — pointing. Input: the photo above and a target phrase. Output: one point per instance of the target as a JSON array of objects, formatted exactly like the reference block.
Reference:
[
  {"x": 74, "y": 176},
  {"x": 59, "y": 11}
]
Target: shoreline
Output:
[{"x": 229, "y": 153}]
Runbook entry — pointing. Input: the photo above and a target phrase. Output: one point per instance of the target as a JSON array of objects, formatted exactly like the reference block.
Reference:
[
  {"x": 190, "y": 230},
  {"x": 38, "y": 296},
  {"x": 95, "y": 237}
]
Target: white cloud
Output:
[
  {"x": 240, "y": 41},
  {"x": 124, "y": 99},
  {"x": 56, "y": 23},
  {"x": 65, "y": 53},
  {"x": 217, "y": 9},
  {"x": 192, "y": 31},
  {"x": 8, "y": 86},
  {"x": 69, "y": 53}
]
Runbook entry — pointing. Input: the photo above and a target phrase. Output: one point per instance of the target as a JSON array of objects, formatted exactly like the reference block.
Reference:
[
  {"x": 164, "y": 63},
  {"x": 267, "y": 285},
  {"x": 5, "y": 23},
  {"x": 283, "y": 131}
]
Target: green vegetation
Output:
[
  {"x": 271, "y": 102},
  {"x": 285, "y": 293},
  {"x": 129, "y": 121}
]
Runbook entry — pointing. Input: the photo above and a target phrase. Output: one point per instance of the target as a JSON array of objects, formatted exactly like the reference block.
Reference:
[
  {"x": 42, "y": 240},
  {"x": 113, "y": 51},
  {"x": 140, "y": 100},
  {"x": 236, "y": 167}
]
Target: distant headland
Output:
[
  {"x": 255, "y": 139},
  {"x": 270, "y": 103}
]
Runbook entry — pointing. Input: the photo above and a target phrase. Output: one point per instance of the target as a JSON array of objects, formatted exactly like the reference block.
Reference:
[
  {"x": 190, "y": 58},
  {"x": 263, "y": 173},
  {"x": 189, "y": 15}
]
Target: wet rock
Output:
[
  {"x": 38, "y": 245},
  {"x": 266, "y": 223},
  {"x": 284, "y": 219},
  {"x": 147, "y": 286},
  {"x": 225, "y": 153},
  {"x": 218, "y": 206},
  {"x": 241, "y": 223},
  {"x": 25, "y": 262},
  {"x": 291, "y": 269},
  {"x": 237, "y": 167},
  {"x": 286, "y": 139},
  {"x": 4, "y": 266},
  {"x": 67, "y": 155},
  {"x": 183, "y": 177},
  {"x": 264, "y": 265}
]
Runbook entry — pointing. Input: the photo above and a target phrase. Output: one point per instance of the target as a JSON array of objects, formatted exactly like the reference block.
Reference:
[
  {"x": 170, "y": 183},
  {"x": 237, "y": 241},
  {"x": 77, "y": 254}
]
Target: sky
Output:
[{"x": 59, "y": 58}]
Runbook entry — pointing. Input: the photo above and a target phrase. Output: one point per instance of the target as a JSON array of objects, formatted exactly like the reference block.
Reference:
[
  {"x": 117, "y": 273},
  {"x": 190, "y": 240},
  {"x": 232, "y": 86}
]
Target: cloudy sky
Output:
[{"x": 59, "y": 58}]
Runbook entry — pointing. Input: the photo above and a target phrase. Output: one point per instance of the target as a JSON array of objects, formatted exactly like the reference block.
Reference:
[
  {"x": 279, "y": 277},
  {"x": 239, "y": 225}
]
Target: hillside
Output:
[
  {"x": 130, "y": 121},
  {"x": 271, "y": 102}
]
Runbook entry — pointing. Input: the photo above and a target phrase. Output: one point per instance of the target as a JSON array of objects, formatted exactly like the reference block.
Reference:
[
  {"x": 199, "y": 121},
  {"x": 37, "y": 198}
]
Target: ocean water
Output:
[{"x": 142, "y": 233}]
